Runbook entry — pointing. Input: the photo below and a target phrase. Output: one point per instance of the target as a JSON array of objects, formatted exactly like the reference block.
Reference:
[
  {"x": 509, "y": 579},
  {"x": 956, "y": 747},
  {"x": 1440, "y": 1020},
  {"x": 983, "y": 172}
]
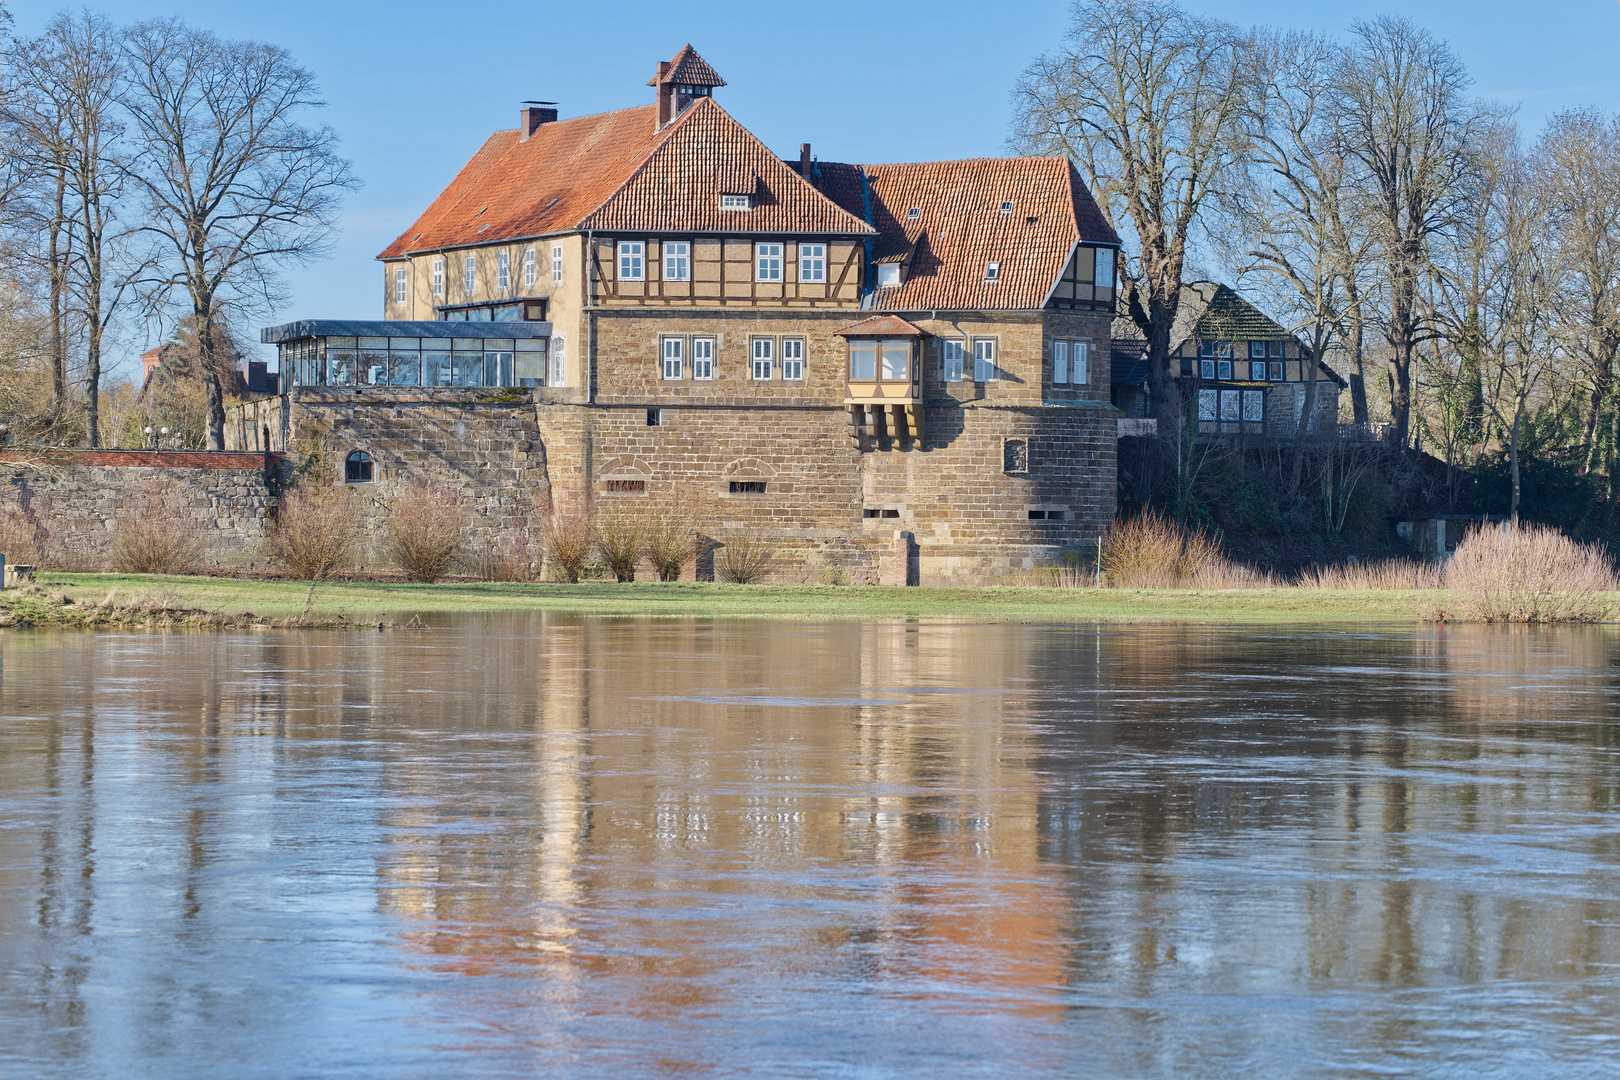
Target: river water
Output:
[{"x": 552, "y": 845}]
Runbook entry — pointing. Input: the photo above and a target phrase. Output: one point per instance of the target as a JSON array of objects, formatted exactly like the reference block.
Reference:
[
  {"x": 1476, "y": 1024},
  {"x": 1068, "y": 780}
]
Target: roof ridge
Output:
[{"x": 651, "y": 106}]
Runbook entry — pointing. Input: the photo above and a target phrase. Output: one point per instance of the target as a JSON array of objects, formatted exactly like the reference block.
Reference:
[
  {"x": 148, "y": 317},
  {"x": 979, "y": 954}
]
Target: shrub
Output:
[
  {"x": 743, "y": 557},
  {"x": 22, "y": 539},
  {"x": 568, "y": 544},
  {"x": 153, "y": 534},
  {"x": 668, "y": 542},
  {"x": 315, "y": 532},
  {"x": 1529, "y": 574},
  {"x": 426, "y": 524},
  {"x": 620, "y": 530},
  {"x": 1150, "y": 551},
  {"x": 488, "y": 562}
]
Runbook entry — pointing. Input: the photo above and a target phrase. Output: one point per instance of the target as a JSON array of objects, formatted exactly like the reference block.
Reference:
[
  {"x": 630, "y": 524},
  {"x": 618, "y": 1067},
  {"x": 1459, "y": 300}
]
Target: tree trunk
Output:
[
  {"x": 1513, "y": 456},
  {"x": 1358, "y": 378},
  {"x": 57, "y": 257}
]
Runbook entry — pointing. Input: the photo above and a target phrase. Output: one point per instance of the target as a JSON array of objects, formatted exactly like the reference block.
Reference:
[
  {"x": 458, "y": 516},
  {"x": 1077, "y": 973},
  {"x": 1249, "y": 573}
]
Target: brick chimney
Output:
[
  {"x": 804, "y": 160},
  {"x": 533, "y": 114},
  {"x": 666, "y": 95}
]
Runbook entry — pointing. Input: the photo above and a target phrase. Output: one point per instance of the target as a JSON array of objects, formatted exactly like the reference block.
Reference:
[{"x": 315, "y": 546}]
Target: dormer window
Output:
[
  {"x": 913, "y": 214},
  {"x": 888, "y": 274},
  {"x": 737, "y": 202},
  {"x": 1006, "y": 207},
  {"x": 992, "y": 272}
]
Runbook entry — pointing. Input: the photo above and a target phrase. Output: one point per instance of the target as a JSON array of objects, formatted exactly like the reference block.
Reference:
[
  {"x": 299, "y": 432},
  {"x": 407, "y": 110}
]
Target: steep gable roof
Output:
[
  {"x": 707, "y": 153},
  {"x": 544, "y": 185},
  {"x": 960, "y": 228},
  {"x": 688, "y": 69}
]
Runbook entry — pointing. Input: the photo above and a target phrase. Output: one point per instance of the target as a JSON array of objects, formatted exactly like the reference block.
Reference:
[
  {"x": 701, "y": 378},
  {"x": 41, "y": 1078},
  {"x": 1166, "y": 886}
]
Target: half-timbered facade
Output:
[{"x": 827, "y": 353}]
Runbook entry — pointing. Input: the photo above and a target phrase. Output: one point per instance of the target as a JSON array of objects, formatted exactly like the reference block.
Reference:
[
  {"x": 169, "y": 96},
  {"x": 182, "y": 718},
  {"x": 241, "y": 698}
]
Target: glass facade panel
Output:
[
  {"x": 862, "y": 360},
  {"x": 373, "y": 367},
  {"x": 469, "y": 369},
  {"x": 498, "y": 368},
  {"x": 405, "y": 344},
  {"x": 509, "y": 313},
  {"x": 340, "y": 367},
  {"x": 404, "y": 368},
  {"x": 373, "y": 343},
  {"x": 897, "y": 361},
  {"x": 435, "y": 368},
  {"x": 530, "y": 363}
]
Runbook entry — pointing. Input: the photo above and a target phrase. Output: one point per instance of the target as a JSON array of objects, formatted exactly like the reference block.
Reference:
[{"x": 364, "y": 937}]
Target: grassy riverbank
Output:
[{"x": 274, "y": 601}]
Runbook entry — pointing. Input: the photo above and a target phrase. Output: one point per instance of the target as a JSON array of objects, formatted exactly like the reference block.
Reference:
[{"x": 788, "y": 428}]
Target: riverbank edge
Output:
[{"x": 113, "y": 600}]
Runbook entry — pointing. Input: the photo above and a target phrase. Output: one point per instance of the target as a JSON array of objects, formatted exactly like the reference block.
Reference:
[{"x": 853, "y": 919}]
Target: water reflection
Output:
[{"x": 550, "y": 844}]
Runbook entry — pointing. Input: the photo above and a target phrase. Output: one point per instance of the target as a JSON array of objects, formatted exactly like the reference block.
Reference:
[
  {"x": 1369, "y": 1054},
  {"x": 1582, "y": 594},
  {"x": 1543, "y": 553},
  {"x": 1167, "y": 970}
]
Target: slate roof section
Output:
[
  {"x": 307, "y": 328},
  {"x": 1127, "y": 361},
  {"x": 545, "y": 185},
  {"x": 706, "y": 153},
  {"x": 960, "y": 228},
  {"x": 688, "y": 69}
]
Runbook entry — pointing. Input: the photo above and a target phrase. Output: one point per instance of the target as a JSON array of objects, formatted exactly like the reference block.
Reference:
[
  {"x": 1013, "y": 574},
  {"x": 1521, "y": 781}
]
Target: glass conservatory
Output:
[{"x": 330, "y": 352}]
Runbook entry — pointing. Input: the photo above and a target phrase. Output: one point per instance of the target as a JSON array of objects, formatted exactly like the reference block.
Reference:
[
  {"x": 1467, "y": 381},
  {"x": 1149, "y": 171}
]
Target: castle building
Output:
[{"x": 648, "y": 304}]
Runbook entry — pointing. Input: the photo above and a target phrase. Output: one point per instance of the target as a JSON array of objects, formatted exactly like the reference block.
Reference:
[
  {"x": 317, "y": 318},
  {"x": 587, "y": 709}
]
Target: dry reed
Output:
[
  {"x": 1386, "y": 574},
  {"x": 1150, "y": 551},
  {"x": 1528, "y": 574},
  {"x": 426, "y": 523}
]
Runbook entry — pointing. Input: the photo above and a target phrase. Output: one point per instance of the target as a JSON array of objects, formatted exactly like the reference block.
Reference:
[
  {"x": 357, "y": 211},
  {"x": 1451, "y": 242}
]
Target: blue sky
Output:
[{"x": 413, "y": 88}]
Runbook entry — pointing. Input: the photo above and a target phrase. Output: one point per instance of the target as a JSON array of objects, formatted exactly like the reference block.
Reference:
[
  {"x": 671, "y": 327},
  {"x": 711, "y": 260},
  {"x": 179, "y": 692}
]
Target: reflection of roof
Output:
[
  {"x": 307, "y": 328},
  {"x": 1210, "y": 311},
  {"x": 960, "y": 229},
  {"x": 882, "y": 326}
]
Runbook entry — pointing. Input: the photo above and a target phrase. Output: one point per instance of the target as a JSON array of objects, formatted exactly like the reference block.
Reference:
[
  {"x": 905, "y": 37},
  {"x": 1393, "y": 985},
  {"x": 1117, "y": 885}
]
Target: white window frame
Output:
[
  {"x": 793, "y": 359},
  {"x": 559, "y": 361},
  {"x": 503, "y": 271},
  {"x": 888, "y": 275},
  {"x": 1257, "y": 350},
  {"x": 469, "y": 275},
  {"x": 1206, "y": 370},
  {"x": 438, "y": 277},
  {"x": 632, "y": 260},
  {"x": 952, "y": 353},
  {"x": 703, "y": 359},
  {"x": 738, "y": 203},
  {"x": 677, "y": 260},
  {"x": 1080, "y": 363},
  {"x": 992, "y": 271},
  {"x": 531, "y": 268},
  {"x": 556, "y": 263},
  {"x": 673, "y": 352},
  {"x": 768, "y": 262},
  {"x": 1103, "y": 278},
  {"x": 762, "y": 359},
  {"x": 984, "y": 360},
  {"x": 1060, "y": 362},
  {"x": 813, "y": 264},
  {"x": 401, "y": 285}
]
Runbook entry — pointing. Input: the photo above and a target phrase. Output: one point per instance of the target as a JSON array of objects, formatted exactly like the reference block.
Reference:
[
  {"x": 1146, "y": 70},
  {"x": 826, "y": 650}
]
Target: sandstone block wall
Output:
[{"x": 62, "y": 510}]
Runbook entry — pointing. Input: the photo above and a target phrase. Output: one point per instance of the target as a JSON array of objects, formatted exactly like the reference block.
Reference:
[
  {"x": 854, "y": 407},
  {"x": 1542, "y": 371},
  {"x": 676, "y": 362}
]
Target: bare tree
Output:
[
  {"x": 1406, "y": 121},
  {"x": 1147, "y": 100},
  {"x": 237, "y": 190}
]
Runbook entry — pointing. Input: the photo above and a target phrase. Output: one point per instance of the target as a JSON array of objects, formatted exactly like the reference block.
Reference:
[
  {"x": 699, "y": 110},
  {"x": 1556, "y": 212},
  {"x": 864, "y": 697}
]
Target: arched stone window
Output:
[{"x": 357, "y": 468}]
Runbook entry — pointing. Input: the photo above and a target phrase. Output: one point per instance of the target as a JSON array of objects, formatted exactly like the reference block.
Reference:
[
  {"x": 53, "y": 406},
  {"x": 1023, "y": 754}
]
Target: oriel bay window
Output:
[{"x": 883, "y": 393}]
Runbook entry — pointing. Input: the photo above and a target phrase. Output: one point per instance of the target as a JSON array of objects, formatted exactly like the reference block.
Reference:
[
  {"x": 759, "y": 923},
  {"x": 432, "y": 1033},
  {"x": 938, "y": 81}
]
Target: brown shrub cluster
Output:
[
  {"x": 153, "y": 534},
  {"x": 1151, "y": 551},
  {"x": 742, "y": 557},
  {"x": 426, "y": 524},
  {"x": 1527, "y": 574},
  {"x": 315, "y": 532}
]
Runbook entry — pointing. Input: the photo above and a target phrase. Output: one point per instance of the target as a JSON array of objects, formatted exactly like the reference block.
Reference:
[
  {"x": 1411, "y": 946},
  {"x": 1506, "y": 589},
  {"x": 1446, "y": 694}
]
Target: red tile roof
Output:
[
  {"x": 688, "y": 69},
  {"x": 960, "y": 228},
  {"x": 707, "y": 153},
  {"x": 882, "y": 326},
  {"x": 545, "y": 185}
]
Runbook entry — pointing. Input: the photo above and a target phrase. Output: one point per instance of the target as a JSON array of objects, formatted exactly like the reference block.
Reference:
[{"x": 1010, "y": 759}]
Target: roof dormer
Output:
[{"x": 680, "y": 82}]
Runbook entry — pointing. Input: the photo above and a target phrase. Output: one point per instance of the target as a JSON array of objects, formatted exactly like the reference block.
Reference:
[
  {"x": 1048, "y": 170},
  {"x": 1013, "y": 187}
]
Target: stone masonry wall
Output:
[{"x": 62, "y": 509}]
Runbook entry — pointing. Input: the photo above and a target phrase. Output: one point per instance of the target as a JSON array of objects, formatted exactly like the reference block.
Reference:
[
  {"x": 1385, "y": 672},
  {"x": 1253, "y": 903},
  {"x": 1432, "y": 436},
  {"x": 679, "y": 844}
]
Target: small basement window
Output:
[
  {"x": 1015, "y": 456},
  {"x": 627, "y": 487},
  {"x": 1048, "y": 515},
  {"x": 879, "y": 512},
  {"x": 992, "y": 272},
  {"x": 748, "y": 487},
  {"x": 655, "y": 417},
  {"x": 357, "y": 468}
]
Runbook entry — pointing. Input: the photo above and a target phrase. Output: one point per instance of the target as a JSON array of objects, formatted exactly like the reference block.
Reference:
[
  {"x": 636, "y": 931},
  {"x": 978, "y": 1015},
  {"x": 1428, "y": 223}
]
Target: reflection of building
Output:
[
  {"x": 1247, "y": 373},
  {"x": 649, "y": 303}
]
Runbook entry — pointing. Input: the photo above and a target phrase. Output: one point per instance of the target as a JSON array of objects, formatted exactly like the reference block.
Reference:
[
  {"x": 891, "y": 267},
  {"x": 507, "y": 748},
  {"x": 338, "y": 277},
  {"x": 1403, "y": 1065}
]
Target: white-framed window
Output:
[
  {"x": 401, "y": 286},
  {"x": 1060, "y": 361},
  {"x": 1276, "y": 371},
  {"x": 677, "y": 260},
  {"x": 1206, "y": 370},
  {"x": 1080, "y": 363},
  {"x": 1105, "y": 268},
  {"x": 812, "y": 262},
  {"x": 793, "y": 359},
  {"x": 992, "y": 271},
  {"x": 632, "y": 260},
  {"x": 1254, "y": 406},
  {"x": 1257, "y": 370},
  {"x": 556, "y": 263},
  {"x": 531, "y": 268},
  {"x": 1223, "y": 370},
  {"x": 767, "y": 262},
  {"x": 469, "y": 275},
  {"x": 1006, "y": 207},
  {"x": 952, "y": 354},
  {"x": 559, "y": 360},
  {"x": 503, "y": 271},
  {"x": 438, "y": 277},
  {"x": 1206, "y": 348},
  {"x": 736, "y": 202},
  {"x": 1257, "y": 350},
  {"x": 703, "y": 358},
  {"x": 984, "y": 360},
  {"x": 888, "y": 275},
  {"x": 1206, "y": 404},
  {"x": 1276, "y": 350},
  {"x": 674, "y": 357},
  {"x": 764, "y": 355}
]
